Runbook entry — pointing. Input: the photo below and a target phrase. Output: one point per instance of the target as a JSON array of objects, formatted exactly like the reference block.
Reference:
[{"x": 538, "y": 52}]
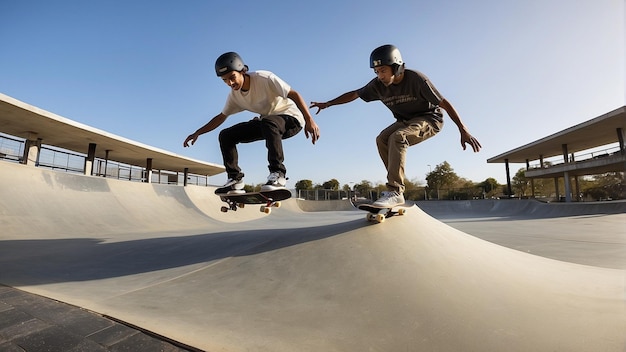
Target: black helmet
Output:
[
  {"x": 228, "y": 62},
  {"x": 387, "y": 55}
]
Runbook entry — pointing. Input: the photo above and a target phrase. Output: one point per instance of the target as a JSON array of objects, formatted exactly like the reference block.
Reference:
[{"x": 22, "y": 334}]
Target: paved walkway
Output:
[{"x": 33, "y": 323}]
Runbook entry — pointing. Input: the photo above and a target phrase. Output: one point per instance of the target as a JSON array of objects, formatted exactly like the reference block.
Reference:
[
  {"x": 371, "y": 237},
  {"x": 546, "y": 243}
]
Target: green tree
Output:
[
  {"x": 331, "y": 184},
  {"x": 413, "y": 190},
  {"x": 607, "y": 186},
  {"x": 363, "y": 189},
  {"x": 442, "y": 176},
  {"x": 304, "y": 185},
  {"x": 465, "y": 189},
  {"x": 490, "y": 187},
  {"x": 520, "y": 183}
]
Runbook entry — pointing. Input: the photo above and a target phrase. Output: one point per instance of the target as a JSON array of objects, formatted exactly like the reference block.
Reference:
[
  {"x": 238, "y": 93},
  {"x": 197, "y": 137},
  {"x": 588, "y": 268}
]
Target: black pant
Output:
[{"x": 273, "y": 129}]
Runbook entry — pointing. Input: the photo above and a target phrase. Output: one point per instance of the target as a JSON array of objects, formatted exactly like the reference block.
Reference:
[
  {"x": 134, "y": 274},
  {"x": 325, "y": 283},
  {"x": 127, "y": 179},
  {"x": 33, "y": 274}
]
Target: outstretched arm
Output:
[
  {"x": 310, "y": 126},
  {"x": 466, "y": 137},
  {"x": 342, "y": 99},
  {"x": 210, "y": 126}
]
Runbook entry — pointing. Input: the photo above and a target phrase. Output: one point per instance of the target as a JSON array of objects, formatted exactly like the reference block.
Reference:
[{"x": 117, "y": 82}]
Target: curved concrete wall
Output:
[
  {"x": 325, "y": 205},
  {"x": 35, "y": 200}
]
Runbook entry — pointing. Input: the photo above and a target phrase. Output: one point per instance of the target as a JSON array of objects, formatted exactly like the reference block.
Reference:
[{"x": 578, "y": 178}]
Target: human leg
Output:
[
  {"x": 412, "y": 132},
  {"x": 243, "y": 132},
  {"x": 382, "y": 142},
  {"x": 392, "y": 146},
  {"x": 276, "y": 128}
]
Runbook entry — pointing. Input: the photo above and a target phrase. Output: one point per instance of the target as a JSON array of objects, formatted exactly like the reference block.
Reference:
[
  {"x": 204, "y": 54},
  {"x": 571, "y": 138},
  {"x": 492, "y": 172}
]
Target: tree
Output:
[
  {"x": 331, "y": 184},
  {"x": 443, "y": 175},
  {"x": 464, "y": 189},
  {"x": 304, "y": 185},
  {"x": 363, "y": 189},
  {"x": 413, "y": 190},
  {"x": 520, "y": 182},
  {"x": 490, "y": 187},
  {"x": 607, "y": 186}
]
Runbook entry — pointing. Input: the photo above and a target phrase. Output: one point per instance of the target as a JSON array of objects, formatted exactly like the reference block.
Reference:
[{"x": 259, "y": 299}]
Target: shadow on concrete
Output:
[{"x": 36, "y": 262}]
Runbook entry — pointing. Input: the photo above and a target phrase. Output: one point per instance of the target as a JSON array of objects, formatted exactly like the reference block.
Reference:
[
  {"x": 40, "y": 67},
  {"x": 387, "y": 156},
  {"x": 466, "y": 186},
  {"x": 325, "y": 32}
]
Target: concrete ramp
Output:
[
  {"x": 325, "y": 205},
  {"x": 294, "y": 280}
]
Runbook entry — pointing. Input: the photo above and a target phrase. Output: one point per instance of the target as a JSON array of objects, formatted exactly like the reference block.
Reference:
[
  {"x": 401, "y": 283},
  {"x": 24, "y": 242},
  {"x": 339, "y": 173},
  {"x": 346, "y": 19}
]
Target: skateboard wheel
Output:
[
  {"x": 277, "y": 204},
  {"x": 241, "y": 205},
  {"x": 380, "y": 218},
  {"x": 224, "y": 209},
  {"x": 401, "y": 211},
  {"x": 265, "y": 209}
]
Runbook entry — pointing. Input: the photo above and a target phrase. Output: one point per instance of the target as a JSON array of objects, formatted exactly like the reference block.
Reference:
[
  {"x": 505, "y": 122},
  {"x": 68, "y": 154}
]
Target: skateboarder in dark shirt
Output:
[{"x": 416, "y": 105}]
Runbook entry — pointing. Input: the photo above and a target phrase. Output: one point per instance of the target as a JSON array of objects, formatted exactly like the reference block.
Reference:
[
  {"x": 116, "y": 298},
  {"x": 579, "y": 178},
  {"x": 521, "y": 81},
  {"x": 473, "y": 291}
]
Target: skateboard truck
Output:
[
  {"x": 267, "y": 200},
  {"x": 379, "y": 214}
]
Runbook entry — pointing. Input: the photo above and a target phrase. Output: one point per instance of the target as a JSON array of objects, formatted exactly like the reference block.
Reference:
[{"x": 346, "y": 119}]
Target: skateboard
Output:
[
  {"x": 268, "y": 200},
  {"x": 379, "y": 214}
]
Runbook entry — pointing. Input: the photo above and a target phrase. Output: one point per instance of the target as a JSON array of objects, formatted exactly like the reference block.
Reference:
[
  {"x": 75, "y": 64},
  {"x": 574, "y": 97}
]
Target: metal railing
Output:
[{"x": 12, "y": 150}]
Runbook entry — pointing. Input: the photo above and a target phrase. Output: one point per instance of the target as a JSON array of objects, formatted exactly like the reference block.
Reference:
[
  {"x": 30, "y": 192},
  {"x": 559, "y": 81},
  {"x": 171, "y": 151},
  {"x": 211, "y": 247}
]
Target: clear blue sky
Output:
[{"x": 516, "y": 71}]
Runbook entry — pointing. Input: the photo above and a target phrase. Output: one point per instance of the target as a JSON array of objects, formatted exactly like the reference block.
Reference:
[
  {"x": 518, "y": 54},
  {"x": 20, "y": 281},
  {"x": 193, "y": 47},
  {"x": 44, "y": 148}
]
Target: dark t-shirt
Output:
[{"x": 413, "y": 97}]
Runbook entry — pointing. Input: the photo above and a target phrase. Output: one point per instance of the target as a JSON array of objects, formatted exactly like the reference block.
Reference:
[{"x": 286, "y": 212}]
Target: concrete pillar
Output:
[
  {"x": 568, "y": 187},
  {"x": 106, "y": 161},
  {"x": 508, "y": 177},
  {"x": 89, "y": 160},
  {"x": 149, "y": 170},
  {"x": 32, "y": 148},
  {"x": 566, "y": 180}
]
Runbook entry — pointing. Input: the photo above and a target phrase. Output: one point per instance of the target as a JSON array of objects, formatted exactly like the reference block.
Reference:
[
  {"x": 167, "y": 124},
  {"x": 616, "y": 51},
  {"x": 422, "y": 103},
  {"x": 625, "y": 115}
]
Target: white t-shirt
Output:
[{"x": 267, "y": 96}]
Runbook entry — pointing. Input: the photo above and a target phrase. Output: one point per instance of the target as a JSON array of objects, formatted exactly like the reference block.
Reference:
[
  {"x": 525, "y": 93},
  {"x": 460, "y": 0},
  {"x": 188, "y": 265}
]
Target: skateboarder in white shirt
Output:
[{"x": 283, "y": 113}]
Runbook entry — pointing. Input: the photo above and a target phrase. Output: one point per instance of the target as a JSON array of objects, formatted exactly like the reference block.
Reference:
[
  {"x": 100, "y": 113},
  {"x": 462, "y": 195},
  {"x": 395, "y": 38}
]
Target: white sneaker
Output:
[
  {"x": 276, "y": 180},
  {"x": 232, "y": 186},
  {"x": 389, "y": 199}
]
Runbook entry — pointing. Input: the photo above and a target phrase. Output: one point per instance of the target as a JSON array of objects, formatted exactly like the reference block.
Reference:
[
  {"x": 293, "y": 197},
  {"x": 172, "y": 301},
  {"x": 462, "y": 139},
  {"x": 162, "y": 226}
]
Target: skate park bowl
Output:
[{"x": 509, "y": 275}]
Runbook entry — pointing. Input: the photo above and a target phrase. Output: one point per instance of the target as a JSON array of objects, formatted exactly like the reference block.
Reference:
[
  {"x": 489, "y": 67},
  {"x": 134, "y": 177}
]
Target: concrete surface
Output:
[
  {"x": 325, "y": 205},
  {"x": 591, "y": 233},
  {"x": 165, "y": 259}
]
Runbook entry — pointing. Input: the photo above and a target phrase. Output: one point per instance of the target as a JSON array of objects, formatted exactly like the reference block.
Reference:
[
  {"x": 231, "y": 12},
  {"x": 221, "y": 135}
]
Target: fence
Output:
[{"x": 12, "y": 149}]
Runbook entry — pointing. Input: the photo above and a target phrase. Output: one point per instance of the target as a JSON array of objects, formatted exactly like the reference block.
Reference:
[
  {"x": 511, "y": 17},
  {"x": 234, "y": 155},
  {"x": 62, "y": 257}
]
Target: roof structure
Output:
[
  {"x": 598, "y": 132},
  {"x": 29, "y": 122},
  {"x": 593, "y": 133}
]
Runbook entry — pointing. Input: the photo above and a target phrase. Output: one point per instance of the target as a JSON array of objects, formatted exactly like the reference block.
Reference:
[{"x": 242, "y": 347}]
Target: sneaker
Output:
[
  {"x": 276, "y": 180},
  {"x": 232, "y": 186},
  {"x": 389, "y": 199}
]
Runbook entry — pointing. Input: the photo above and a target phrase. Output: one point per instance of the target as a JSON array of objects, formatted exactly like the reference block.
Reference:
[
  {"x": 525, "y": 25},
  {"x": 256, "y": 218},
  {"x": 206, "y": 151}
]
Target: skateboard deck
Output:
[
  {"x": 379, "y": 214},
  {"x": 268, "y": 200}
]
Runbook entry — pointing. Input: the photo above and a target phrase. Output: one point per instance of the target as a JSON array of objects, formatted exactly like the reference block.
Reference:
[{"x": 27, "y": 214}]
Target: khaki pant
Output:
[{"x": 393, "y": 142}]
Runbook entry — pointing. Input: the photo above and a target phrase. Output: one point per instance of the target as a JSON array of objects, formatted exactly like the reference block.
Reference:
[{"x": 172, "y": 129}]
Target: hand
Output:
[
  {"x": 313, "y": 129},
  {"x": 469, "y": 139},
  {"x": 319, "y": 106},
  {"x": 192, "y": 137}
]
